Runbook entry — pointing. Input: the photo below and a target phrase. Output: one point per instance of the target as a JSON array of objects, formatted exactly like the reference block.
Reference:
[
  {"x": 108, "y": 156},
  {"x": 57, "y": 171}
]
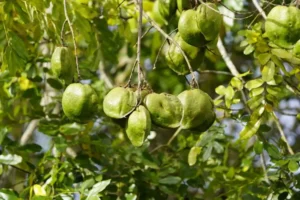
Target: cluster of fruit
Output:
[
  {"x": 196, "y": 29},
  {"x": 282, "y": 27},
  {"x": 192, "y": 109}
]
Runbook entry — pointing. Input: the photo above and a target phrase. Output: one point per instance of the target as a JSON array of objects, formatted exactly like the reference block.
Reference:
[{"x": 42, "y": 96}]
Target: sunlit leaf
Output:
[
  {"x": 250, "y": 129},
  {"x": 97, "y": 188},
  {"x": 254, "y": 84},
  {"x": 293, "y": 166},
  {"x": 193, "y": 154},
  {"x": 10, "y": 159}
]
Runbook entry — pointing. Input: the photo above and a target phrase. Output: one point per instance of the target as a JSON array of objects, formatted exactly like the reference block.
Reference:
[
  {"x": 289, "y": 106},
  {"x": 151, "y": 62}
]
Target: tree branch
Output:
[
  {"x": 289, "y": 148},
  {"x": 140, "y": 22},
  {"x": 29, "y": 131},
  {"x": 73, "y": 37},
  {"x": 226, "y": 58},
  {"x": 259, "y": 8}
]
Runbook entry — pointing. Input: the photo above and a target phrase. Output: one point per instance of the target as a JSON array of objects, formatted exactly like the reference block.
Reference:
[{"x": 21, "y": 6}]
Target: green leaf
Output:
[
  {"x": 10, "y": 159},
  {"x": 268, "y": 72},
  {"x": 295, "y": 157},
  {"x": 250, "y": 129},
  {"x": 193, "y": 154},
  {"x": 6, "y": 194},
  {"x": 18, "y": 46},
  {"x": 55, "y": 83},
  {"x": 3, "y": 132},
  {"x": 255, "y": 101},
  {"x": 218, "y": 147},
  {"x": 258, "y": 147},
  {"x": 170, "y": 180},
  {"x": 207, "y": 153},
  {"x": 249, "y": 49},
  {"x": 97, "y": 188},
  {"x": 254, "y": 84},
  {"x": 236, "y": 83},
  {"x": 273, "y": 151},
  {"x": 220, "y": 90},
  {"x": 281, "y": 53},
  {"x": 256, "y": 91},
  {"x": 293, "y": 166},
  {"x": 264, "y": 58},
  {"x": 71, "y": 129},
  {"x": 130, "y": 196}
]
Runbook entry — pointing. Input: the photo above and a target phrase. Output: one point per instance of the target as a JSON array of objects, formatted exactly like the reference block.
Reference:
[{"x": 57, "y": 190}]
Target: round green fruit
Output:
[
  {"x": 62, "y": 64},
  {"x": 165, "y": 109},
  {"x": 167, "y": 8},
  {"x": 189, "y": 30},
  {"x": 198, "y": 109},
  {"x": 209, "y": 20},
  {"x": 138, "y": 125},
  {"x": 175, "y": 59},
  {"x": 119, "y": 102},
  {"x": 282, "y": 26},
  {"x": 79, "y": 102}
]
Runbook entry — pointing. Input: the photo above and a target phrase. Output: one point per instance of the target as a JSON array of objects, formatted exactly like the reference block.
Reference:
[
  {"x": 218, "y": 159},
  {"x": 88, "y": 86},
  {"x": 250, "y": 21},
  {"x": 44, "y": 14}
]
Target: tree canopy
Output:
[{"x": 149, "y": 99}]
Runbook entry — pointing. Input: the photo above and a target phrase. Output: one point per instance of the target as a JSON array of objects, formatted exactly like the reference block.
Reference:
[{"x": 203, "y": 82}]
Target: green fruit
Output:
[
  {"x": 138, "y": 126},
  {"x": 167, "y": 8},
  {"x": 282, "y": 26},
  {"x": 119, "y": 102},
  {"x": 198, "y": 109},
  {"x": 209, "y": 21},
  {"x": 156, "y": 16},
  {"x": 296, "y": 49},
  {"x": 176, "y": 60},
  {"x": 183, "y": 5},
  {"x": 79, "y": 102},
  {"x": 62, "y": 64},
  {"x": 189, "y": 30},
  {"x": 165, "y": 109}
]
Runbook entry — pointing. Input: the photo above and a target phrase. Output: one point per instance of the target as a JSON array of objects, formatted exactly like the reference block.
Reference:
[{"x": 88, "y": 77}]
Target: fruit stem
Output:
[
  {"x": 62, "y": 34},
  {"x": 176, "y": 44},
  {"x": 73, "y": 37},
  {"x": 175, "y": 135}
]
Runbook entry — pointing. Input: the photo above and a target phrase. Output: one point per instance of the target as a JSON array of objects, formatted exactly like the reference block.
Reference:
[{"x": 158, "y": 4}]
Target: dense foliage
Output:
[{"x": 58, "y": 142}]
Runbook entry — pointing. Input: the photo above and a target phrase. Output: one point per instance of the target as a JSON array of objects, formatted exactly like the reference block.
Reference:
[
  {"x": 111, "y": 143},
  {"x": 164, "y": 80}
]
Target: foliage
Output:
[{"x": 250, "y": 152}]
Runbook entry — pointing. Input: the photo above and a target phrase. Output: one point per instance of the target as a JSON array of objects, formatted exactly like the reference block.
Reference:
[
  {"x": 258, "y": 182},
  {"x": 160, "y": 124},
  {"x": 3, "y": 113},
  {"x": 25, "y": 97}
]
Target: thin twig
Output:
[
  {"x": 259, "y": 8},
  {"x": 158, "y": 53},
  {"x": 289, "y": 148},
  {"x": 264, "y": 167},
  {"x": 29, "y": 131},
  {"x": 177, "y": 45},
  {"x": 169, "y": 142},
  {"x": 146, "y": 32},
  {"x": 131, "y": 74},
  {"x": 161, "y": 48},
  {"x": 73, "y": 37},
  {"x": 62, "y": 33},
  {"x": 140, "y": 22},
  {"x": 214, "y": 72}
]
